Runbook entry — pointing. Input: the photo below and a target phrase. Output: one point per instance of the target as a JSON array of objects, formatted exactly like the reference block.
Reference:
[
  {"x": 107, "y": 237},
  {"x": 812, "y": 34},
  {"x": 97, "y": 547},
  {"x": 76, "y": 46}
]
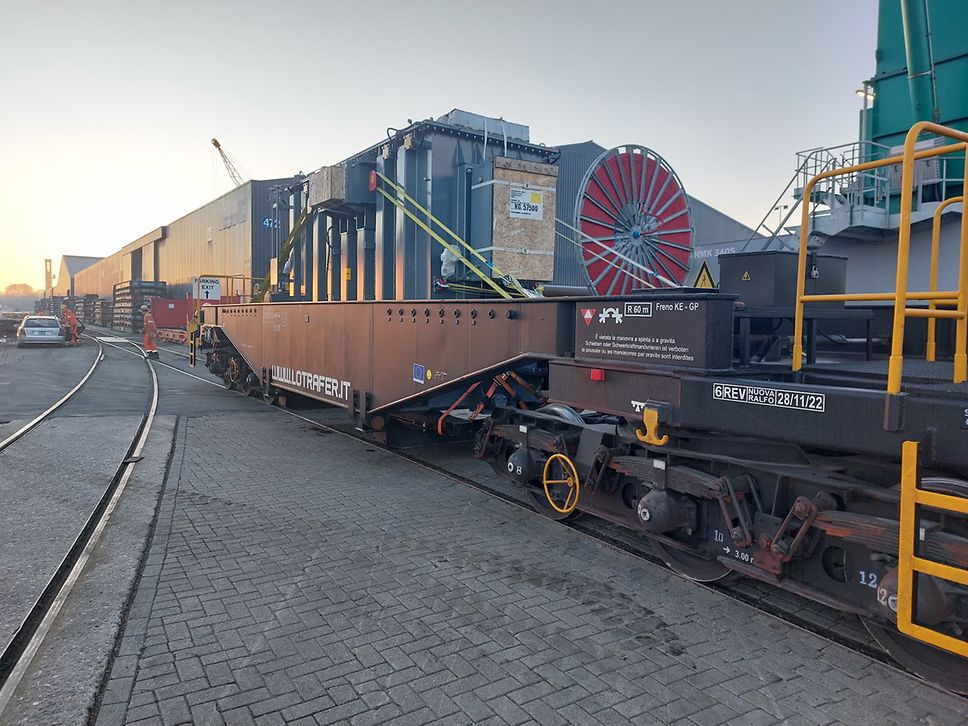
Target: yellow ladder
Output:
[{"x": 909, "y": 564}]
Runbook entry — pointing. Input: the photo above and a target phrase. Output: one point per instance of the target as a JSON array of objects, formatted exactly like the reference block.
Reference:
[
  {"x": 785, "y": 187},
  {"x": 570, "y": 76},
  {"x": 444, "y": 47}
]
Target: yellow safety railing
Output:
[
  {"x": 900, "y": 296},
  {"x": 931, "y": 347},
  {"x": 194, "y": 325},
  {"x": 908, "y": 562}
]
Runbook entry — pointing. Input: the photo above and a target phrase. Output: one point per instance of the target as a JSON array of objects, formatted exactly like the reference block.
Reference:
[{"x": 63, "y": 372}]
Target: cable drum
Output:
[{"x": 634, "y": 220}]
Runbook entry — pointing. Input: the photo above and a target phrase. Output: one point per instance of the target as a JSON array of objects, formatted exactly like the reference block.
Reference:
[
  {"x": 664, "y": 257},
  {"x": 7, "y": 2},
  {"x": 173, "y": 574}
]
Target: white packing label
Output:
[{"x": 525, "y": 203}]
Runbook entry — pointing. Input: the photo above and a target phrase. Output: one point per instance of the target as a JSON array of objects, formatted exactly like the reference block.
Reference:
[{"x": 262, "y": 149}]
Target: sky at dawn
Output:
[{"x": 108, "y": 108}]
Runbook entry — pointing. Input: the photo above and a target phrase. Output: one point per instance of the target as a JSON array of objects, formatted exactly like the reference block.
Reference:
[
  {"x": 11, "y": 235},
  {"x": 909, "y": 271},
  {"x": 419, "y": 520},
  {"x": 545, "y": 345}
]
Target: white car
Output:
[{"x": 40, "y": 330}]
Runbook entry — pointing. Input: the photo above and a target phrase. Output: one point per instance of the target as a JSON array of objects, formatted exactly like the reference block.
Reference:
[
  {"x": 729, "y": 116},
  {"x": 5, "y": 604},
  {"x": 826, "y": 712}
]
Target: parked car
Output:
[{"x": 40, "y": 330}]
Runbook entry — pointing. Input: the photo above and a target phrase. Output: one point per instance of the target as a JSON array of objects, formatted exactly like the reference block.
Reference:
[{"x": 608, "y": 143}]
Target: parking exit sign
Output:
[{"x": 210, "y": 288}]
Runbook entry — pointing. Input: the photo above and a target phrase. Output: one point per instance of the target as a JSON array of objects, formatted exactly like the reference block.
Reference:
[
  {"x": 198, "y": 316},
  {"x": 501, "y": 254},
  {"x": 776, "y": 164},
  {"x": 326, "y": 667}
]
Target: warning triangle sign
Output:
[
  {"x": 704, "y": 279},
  {"x": 746, "y": 276}
]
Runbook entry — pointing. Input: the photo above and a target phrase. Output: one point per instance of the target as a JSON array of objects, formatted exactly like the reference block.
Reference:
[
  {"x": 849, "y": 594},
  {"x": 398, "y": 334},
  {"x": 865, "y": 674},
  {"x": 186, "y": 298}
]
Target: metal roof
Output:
[{"x": 76, "y": 263}]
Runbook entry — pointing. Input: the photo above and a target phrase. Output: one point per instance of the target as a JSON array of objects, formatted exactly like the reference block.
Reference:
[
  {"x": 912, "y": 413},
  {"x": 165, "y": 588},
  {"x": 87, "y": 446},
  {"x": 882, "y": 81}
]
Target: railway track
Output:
[
  {"x": 17, "y": 654},
  {"x": 825, "y": 622},
  {"x": 44, "y": 415}
]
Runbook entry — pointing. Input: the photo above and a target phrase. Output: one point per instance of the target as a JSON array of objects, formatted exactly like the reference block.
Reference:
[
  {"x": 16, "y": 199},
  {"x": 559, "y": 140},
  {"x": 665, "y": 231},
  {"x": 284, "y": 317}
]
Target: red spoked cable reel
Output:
[{"x": 634, "y": 221}]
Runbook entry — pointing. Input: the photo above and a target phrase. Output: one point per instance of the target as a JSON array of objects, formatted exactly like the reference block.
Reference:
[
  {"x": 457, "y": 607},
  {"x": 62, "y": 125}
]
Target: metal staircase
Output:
[
  {"x": 859, "y": 205},
  {"x": 833, "y": 199}
]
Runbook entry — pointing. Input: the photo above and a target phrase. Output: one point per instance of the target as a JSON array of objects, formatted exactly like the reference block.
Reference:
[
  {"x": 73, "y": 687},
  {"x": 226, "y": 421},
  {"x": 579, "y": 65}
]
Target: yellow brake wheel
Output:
[{"x": 564, "y": 474}]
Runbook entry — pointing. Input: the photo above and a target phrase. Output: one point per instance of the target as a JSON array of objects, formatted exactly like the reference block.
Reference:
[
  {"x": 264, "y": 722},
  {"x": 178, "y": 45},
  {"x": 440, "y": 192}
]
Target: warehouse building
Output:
[
  {"x": 235, "y": 234},
  {"x": 70, "y": 267}
]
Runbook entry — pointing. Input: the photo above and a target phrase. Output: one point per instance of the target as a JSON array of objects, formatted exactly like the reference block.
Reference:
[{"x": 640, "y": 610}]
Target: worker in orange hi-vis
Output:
[
  {"x": 150, "y": 332},
  {"x": 69, "y": 321}
]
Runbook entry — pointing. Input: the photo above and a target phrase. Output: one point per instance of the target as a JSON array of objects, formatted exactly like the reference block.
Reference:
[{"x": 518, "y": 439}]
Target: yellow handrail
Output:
[
  {"x": 945, "y": 295},
  {"x": 930, "y": 348},
  {"x": 908, "y": 561},
  {"x": 900, "y": 297},
  {"x": 194, "y": 324}
]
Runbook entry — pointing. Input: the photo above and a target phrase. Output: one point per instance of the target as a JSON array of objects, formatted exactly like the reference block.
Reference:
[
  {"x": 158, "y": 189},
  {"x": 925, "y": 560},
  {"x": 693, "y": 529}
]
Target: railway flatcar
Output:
[{"x": 838, "y": 477}]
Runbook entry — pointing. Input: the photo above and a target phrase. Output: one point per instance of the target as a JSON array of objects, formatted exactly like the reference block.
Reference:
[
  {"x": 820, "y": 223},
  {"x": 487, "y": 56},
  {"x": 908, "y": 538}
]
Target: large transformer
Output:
[{"x": 466, "y": 205}]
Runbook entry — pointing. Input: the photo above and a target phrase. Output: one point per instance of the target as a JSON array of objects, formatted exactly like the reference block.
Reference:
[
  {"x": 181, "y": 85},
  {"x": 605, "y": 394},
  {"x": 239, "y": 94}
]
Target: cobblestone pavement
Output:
[{"x": 297, "y": 577}]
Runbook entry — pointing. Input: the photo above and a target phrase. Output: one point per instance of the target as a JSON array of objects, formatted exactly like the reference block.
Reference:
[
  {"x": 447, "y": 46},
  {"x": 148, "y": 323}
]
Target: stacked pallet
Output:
[
  {"x": 52, "y": 305},
  {"x": 84, "y": 308},
  {"x": 128, "y": 298},
  {"x": 102, "y": 312}
]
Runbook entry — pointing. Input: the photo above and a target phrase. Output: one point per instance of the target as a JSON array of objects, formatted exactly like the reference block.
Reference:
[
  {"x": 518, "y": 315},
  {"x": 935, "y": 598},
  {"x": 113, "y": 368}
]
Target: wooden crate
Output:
[{"x": 523, "y": 242}]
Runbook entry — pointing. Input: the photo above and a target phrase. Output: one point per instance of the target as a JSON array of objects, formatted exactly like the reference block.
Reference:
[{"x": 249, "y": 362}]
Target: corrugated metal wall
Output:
[
  {"x": 572, "y": 165},
  {"x": 70, "y": 267},
  {"x": 231, "y": 235},
  {"x": 213, "y": 240},
  {"x": 268, "y": 227},
  {"x": 101, "y": 277},
  {"x": 716, "y": 234}
]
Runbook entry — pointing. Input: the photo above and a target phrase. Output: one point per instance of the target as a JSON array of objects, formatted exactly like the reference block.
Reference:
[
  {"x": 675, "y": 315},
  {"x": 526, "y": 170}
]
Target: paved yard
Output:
[{"x": 301, "y": 577}]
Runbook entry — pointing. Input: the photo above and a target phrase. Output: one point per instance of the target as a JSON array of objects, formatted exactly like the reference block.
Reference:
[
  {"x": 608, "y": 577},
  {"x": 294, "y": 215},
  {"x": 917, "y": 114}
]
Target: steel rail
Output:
[
  {"x": 20, "y": 651},
  {"x": 34, "y": 423}
]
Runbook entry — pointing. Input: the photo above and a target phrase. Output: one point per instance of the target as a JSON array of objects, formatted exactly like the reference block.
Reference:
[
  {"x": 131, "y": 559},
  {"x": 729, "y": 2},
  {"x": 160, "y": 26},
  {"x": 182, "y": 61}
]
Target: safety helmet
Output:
[{"x": 144, "y": 308}]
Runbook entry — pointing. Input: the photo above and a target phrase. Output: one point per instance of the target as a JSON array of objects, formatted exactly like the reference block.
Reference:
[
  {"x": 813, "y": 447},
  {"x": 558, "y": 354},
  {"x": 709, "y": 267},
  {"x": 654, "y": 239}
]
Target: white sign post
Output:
[{"x": 209, "y": 288}]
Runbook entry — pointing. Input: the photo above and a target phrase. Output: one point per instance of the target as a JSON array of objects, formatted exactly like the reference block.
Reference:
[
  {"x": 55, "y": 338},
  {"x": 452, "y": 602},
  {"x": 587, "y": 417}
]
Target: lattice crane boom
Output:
[{"x": 229, "y": 166}]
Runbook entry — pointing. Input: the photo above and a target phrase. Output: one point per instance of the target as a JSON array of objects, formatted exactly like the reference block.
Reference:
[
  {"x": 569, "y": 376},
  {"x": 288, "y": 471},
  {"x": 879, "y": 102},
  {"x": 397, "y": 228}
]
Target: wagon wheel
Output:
[
  {"x": 938, "y": 666},
  {"x": 232, "y": 373},
  {"x": 635, "y": 222},
  {"x": 270, "y": 394},
  {"x": 561, "y": 483}
]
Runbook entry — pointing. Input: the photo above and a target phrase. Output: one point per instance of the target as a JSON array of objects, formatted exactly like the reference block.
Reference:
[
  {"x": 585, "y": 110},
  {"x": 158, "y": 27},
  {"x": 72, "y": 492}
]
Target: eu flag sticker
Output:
[{"x": 419, "y": 373}]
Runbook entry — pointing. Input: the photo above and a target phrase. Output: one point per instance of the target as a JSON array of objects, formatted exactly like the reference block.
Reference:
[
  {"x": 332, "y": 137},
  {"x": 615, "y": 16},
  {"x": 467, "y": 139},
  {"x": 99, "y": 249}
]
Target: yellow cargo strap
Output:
[
  {"x": 465, "y": 288},
  {"x": 453, "y": 250},
  {"x": 283, "y": 253},
  {"x": 909, "y": 564},
  {"x": 511, "y": 280}
]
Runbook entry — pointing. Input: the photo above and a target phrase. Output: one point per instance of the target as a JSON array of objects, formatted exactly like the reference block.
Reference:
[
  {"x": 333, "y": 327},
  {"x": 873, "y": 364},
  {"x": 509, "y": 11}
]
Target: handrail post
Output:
[
  {"x": 896, "y": 363},
  {"x": 931, "y": 347},
  {"x": 900, "y": 295},
  {"x": 802, "y": 274},
  {"x": 961, "y": 326}
]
